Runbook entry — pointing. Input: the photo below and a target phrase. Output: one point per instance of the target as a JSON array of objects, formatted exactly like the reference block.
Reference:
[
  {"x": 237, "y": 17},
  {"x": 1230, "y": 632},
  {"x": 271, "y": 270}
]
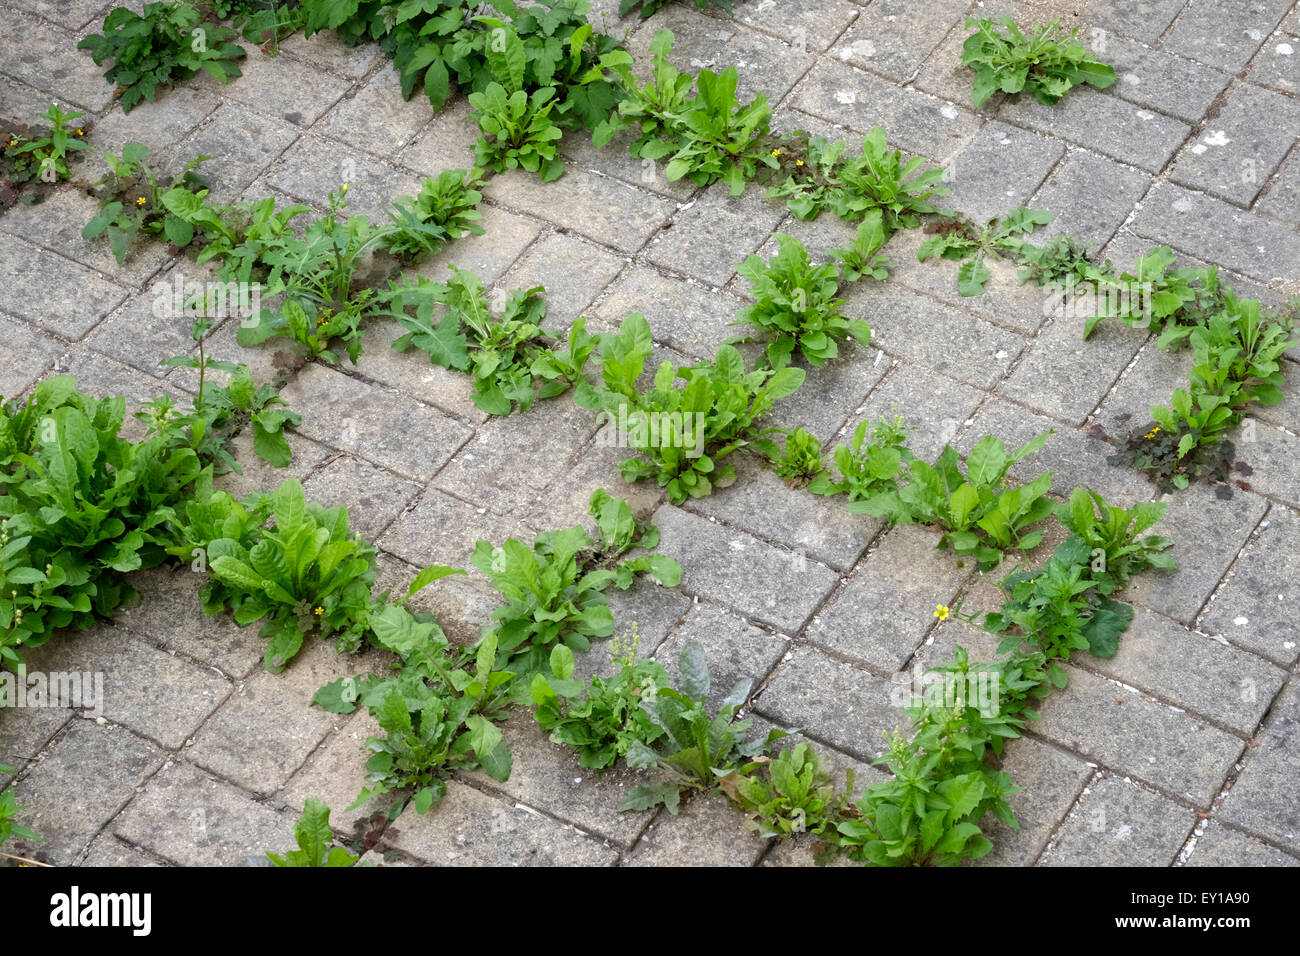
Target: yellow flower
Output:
[
  {"x": 776, "y": 152},
  {"x": 798, "y": 162},
  {"x": 81, "y": 132},
  {"x": 140, "y": 201},
  {"x": 319, "y": 611},
  {"x": 13, "y": 143},
  {"x": 941, "y": 611},
  {"x": 347, "y": 186},
  {"x": 1152, "y": 433}
]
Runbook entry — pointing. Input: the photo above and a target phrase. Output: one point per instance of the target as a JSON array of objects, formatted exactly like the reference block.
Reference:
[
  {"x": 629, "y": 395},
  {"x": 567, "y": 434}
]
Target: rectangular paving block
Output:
[
  {"x": 1254, "y": 608},
  {"x": 999, "y": 169},
  {"x": 763, "y": 504},
  {"x": 888, "y": 606},
  {"x": 375, "y": 118},
  {"x": 1275, "y": 64},
  {"x": 959, "y": 344},
  {"x": 47, "y": 57},
  {"x": 24, "y": 734},
  {"x": 812, "y": 24},
  {"x": 1159, "y": 81},
  {"x": 87, "y": 776},
  {"x": 445, "y": 142},
  {"x": 469, "y": 828},
  {"x": 1117, "y": 823},
  {"x": 374, "y": 423},
  {"x": 1282, "y": 198},
  {"x": 300, "y": 93},
  {"x": 833, "y": 701},
  {"x": 1105, "y": 123},
  {"x": 1217, "y": 682},
  {"x": 1063, "y": 375},
  {"x": 894, "y": 37},
  {"x": 505, "y": 237},
  {"x": 1133, "y": 734},
  {"x": 914, "y": 121},
  {"x": 736, "y": 651},
  {"x": 335, "y": 774},
  {"x": 1223, "y": 33},
  {"x": 442, "y": 529},
  {"x": 159, "y": 696},
  {"x": 192, "y": 819},
  {"x": 714, "y": 233},
  {"x": 265, "y": 731},
  {"x": 1144, "y": 19},
  {"x": 776, "y": 587},
  {"x": 1221, "y": 846},
  {"x": 1241, "y": 144},
  {"x": 688, "y": 316},
  {"x": 831, "y": 394},
  {"x": 1089, "y": 197},
  {"x": 932, "y": 408},
  {"x": 1212, "y": 229},
  {"x": 1051, "y": 780},
  {"x": 314, "y": 166},
  {"x": 411, "y": 373},
  {"x": 1261, "y": 800},
  {"x": 245, "y": 142},
  {"x": 28, "y": 354},
  {"x": 1207, "y": 532},
  {"x": 705, "y": 832},
  {"x": 573, "y": 272},
  {"x": 600, "y": 208},
  {"x": 54, "y": 293}
]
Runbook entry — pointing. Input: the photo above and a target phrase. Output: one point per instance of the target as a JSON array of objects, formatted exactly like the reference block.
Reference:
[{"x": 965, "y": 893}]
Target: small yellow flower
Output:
[
  {"x": 1152, "y": 433},
  {"x": 347, "y": 186},
  {"x": 319, "y": 611},
  {"x": 140, "y": 201},
  {"x": 798, "y": 162},
  {"x": 13, "y": 143},
  {"x": 776, "y": 152},
  {"x": 941, "y": 611},
  {"x": 81, "y": 132}
]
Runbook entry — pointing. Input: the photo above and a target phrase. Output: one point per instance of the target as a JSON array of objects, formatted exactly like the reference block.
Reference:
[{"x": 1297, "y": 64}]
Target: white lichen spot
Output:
[
  {"x": 1241, "y": 621},
  {"x": 1217, "y": 138},
  {"x": 1131, "y": 79},
  {"x": 948, "y": 111},
  {"x": 846, "y": 96},
  {"x": 1284, "y": 49},
  {"x": 1122, "y": 832}
]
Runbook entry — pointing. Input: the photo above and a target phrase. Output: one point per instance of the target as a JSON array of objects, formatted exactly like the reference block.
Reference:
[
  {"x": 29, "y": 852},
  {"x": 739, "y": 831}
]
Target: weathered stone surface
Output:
[
  {"x": 777, "y": 587},
  {"x": 1222, "y": 33},
  {"x": 705, "y": 832},
  {"x": 573, "y": 272},
  {"x": 27, "y": 271},
  {"x": 247, "y": 143},
  {"x": 1275, "y": 63},
  {"x": 812, "y": 24},
  {"x": 1261, "y": 799},
  {"x": 1117, "y": 823},
  {"x": 1052, "y": 780},
  {"x": 442, "y": 529},
  {"x": 192, "y": 819},
  {"x": 714, "y": 234},
  {"x": 983, "y": 184},
  {"x": 895, "y": 37},
  {"x": 687, "y": 316},
  {"x": 335, "y": 774},
  {"x": 1220, "y": 846},
  {"x": 889, "y": 604},
  {"x": 28, "y": 354},
  {"x": 1152, "y": 741},
  {"x": 470, "y": 828},
  {"x": 736, "y": 652},
  {"x": 1158, "y": 81},
  {"x": 1089, "y": 197},
  {"x": 376, "y": 118},
  {"x": 373, "y": 496}
]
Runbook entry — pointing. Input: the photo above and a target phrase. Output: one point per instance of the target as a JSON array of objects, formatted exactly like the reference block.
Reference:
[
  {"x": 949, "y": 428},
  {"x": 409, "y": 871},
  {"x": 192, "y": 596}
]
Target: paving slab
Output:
[
  {"x": 26, "y": 272},
  {"x": 1221, "y": 846},
  {"x": 705, "y": 832},
  {"x": 1089, "y": 197},
  {"x": 1052, "y": 780},
  {"x": 895, "y": 37},
  {"x": 985, "y": 181},
  {"x": 736, "y": 651},
  {"x": 715, "y": 233},
  {"x": 1223, "y": 33},
  {"x": 1260, "y": 800},
  {"x": 1117, "y": 823}
]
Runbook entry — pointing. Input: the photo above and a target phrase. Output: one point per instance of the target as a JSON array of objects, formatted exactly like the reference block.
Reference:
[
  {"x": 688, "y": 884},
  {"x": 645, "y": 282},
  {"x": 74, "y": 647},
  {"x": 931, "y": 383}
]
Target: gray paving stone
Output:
[
  {"x": 830, "y": 394},
  {"x": 1105, "y": 123},
  {"x": 762, "y": 503},
  {"x": 325, "y": 50},
  {"x": 776, "y": 587},
  {"x": 1089, "y": 197},
  {"x": 1133, "y": 734},
  {"x": 265, "y": 731},
  {"x": 895, "y": 37},
  {"x": 141, "y": 334},
  {"x": 1224, "y": 33},
  {"x": 603, "y": 209},
  {"x": 315, "y": 166},
  {"x": 735, "y": 651},
  {"x": 572, "y": 271},
  {"x": 549, "y": 776},
  {"x": 715, "y": 233},
  {"x": 376, "y": 118},
  {"x": 28, "y": 354},
  {"x": 470, "y": 828},
  {"x": 765, "y": 64},
  {"x": 505, "y": 237},
  {"x": 411, "y": 373},
  {"x": 1253, "y": 609},
  {"x": 1207, "y": 533},
  {"x": 566, "y": 499},
  {"x": 1000, "y": 169},
  {"x": 649, "y": 607},
  {"x": 1158, "y": 81},
  {"x": 50, "y": 61},
  {"x": 441, "y": 529},
  {"x": 958, "y": 344},
  {"x": 1241, "y": 144},
  {"x": 1223, "y": 684},
  {"x": 28, "y": 274},
  {"x": 245, "y": 142},
  {"x": 943, "y": 75},
  {"x": 108, "y": 850},
  {"x": 192, "y": 819},
  {"x": 1052, "y": 780},
  {"x": 1275, "y": 64},
  {"x": 1260, "y": 800},
  {"x": 72, "y": 14},
  {"x": 1117, "y": 823},
  {"x": 160, "y": 125},
  {"x": 888, "y": 607},
  {"x": 446, "y": 142},
  {"x": 102, "y": 377},
  {"x": 914, "y": 121},
  {"x": 156, "y": 695},
  {"x": 299, "y": 93},
  {"x": 1220, "y": 846},
  {"x": 259, "y": 475},
  {"x": 685, "y": 315},
  {"x": 503, "y": 456},
  {"x": 832, "y": 701},
  {"x": 1210, "y": 228},
  {"x": 1282, "y": 198},
  {"x": 1076, "y": 458},
  {"x": 1271, "y": 454},
  {"x": 615, "y": 161},
  {"x": 171, "y": 614},
  {"x": 812, "y": 24},
  {"x": 81, "y": 782},
  {"x": 705, "y": 832},
  {"x": 462, "y": 605},
  {"x": 1065, "y": 376},
  {"x": 24, "y": 734},
  {"x": 1144, "y": 19},
  {"x": 366, "y": 420},
  {"x": 932, "y": 407},
  {"x": 335, "y": 774},
  {"x": 1005, "y": 303},
  {"x": 373, "y": 497}
]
